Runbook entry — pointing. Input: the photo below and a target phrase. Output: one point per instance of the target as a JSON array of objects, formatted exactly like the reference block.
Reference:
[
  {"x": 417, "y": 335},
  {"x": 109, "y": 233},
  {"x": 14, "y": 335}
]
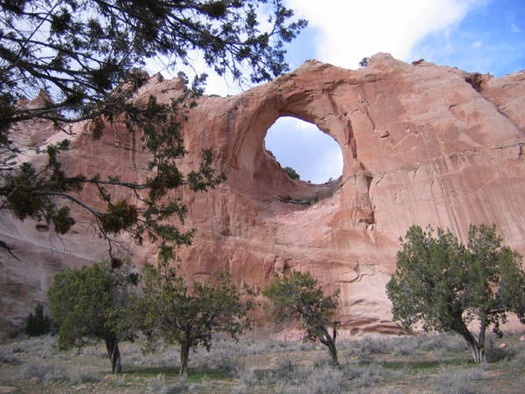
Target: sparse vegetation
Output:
[
  {"x": 433, "y": 364},
  {"x": 475, "y": 80},
  {"x": 364, "y": 62},
  {"x": 460, "y": 381},
  {"x": 292, "y": 173}
]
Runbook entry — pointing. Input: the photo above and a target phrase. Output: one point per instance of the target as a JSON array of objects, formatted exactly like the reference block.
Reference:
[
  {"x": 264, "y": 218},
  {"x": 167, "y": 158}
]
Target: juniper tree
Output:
[
  {"x": 94, "y": 303},
  {"x": 189, "y": 313},
  {"x": 299, "y": 297},
  {"x": 38, "y": 323},
  {"x": 448, "y": 286}
]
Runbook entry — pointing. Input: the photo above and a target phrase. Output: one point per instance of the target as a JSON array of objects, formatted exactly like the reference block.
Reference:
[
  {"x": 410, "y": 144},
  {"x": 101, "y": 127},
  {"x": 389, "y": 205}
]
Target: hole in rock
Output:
[{"x": 314, "y": 155}]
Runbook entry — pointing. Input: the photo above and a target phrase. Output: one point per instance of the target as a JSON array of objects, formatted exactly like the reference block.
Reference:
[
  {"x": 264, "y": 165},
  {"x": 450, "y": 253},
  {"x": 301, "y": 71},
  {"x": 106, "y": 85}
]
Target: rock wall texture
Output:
[{"x": 421, "y": 144}]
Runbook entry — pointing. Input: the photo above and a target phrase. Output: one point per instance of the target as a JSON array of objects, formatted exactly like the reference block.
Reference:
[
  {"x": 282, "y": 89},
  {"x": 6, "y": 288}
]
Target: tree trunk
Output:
[
  {"x": 329, "y": 342},
  {"x": 114, "y": 355},
  {"x": 477, "y": 349},
  {"x": 333, "y": 353},
  {"x": 184, "y": 356}
]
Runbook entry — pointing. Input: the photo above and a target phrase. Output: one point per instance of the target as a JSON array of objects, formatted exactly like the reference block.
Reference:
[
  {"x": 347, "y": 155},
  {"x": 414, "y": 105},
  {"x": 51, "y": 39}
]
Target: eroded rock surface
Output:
[{"x": 421, "y": 144}]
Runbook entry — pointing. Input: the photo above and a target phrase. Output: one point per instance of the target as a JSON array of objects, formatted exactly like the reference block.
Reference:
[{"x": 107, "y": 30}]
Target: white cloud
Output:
[
  {"x": 331, "y": 166},
  {"x": 215, "y": 84},
  {"x": 477, "y": 44},
  {"x": 304, "y": 128},
  {"x": 352, "y": 29}
]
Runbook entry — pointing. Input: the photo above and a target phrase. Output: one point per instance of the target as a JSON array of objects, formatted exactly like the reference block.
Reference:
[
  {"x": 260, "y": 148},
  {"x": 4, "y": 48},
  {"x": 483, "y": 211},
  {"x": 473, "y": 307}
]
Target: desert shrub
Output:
[
  {"x": 292, "y": 173},
  {"x": 84, "y": 374},
  {"x": 42, "y": 347},
  {"x": 312, "y": 380},
  {"x": 366, "y": 347},
  {"x": 436, "y": 342},
  {"x": 249, "y": 346},
  {"x": 453, "y": 343},
  {"x": 518, "y": 361},
  {"x": 157, "y": 385},
  {"x": 205, "y": 386},
  {"x": 221, "y": 357},
  {"x": 295, "y": 374},
  {"x": 494, "y": 354},
  {"x": 364, "y": 62},
  {"x": 168, "y": 356},
  {"x": 443, "y": 343},
  {"x": 475, "y": 80},
  {"x": 40, "y": 371},
  {"x": 323, "y": 378},
  {"x": 52, "y": 371},
  {"x": 459, "y": 381},
  {"x": 364, "y": 376},
  {"x": 7, "y": 357},
  {"x": 225, "y": 352},
  {"x": 145, "y": 359},
  {"x": 282, "y": 372},
  {"x": 247, "y": 376},
  {"x": 95, "y": 351},
  {"x": 405, "y": 347}
]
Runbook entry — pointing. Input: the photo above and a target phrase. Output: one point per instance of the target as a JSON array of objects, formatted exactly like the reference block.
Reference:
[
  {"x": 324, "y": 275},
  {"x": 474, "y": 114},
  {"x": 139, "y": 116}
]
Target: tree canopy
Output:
[
  {"x": 446, "y": 285},
  {"x": 93, "y": 303},
  {"x": 189, "y": 315},
  {"x": 83, "y": 55},
  {"x": 299, "y": 297},
  {"x": 81, "y": 51}
]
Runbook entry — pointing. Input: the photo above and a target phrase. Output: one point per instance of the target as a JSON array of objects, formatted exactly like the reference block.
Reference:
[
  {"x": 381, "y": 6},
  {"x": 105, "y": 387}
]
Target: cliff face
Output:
[{"x": 421, "y": 144}]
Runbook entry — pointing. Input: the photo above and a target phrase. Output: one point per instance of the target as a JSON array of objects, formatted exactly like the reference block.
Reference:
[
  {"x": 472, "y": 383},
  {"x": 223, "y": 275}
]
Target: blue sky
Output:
[{"x": 486, "y": 36}]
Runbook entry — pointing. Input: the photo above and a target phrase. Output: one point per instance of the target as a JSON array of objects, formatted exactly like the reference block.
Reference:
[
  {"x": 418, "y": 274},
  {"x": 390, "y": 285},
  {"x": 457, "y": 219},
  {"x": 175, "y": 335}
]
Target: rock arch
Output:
[{"x": 420, "y": 146}]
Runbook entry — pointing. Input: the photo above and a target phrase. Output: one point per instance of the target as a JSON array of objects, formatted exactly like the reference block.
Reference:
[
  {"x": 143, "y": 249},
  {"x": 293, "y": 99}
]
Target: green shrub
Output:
[
  {"x": 38, "y": 323},
  {"x": 364, "y": 62},
  {"x": 292, "y": 173}
]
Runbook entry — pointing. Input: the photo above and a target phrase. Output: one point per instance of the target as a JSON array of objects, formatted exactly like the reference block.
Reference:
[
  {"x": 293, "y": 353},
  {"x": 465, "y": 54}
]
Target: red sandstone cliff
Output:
[{"x": 422, "y": 144}]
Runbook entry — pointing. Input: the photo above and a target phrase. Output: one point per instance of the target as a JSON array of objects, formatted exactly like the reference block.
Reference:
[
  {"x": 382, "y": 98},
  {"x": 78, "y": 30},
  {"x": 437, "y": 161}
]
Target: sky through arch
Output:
[{"x": 314, "y": 155}]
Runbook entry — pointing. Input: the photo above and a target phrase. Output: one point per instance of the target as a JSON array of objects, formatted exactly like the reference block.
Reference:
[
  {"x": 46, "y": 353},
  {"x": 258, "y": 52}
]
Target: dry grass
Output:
[{"x": 431, "y": 364}]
